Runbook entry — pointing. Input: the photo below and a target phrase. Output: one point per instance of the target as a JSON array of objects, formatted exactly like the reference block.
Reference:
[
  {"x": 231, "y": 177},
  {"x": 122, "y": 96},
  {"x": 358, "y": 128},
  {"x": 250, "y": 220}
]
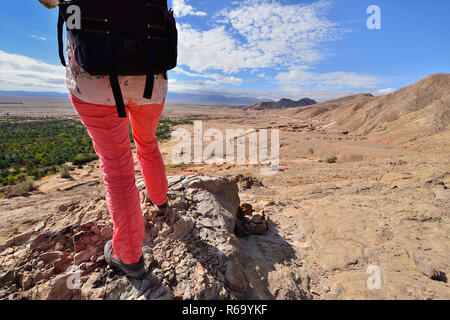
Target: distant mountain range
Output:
[
  {"x": 186, "y": 97},
  {"x": 281, "y": 104},
  {"x": 33, "y": 94},
  {"x": 171, "y": 97}
]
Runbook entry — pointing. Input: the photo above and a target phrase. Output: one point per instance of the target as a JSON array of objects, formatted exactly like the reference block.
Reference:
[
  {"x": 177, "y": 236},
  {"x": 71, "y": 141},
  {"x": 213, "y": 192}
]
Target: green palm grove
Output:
[{"x": 34, "y": 150}]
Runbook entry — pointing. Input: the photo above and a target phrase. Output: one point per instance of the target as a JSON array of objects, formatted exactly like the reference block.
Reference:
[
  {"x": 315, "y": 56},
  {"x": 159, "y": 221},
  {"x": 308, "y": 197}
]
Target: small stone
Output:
[
  {"x": 106, "y": 233},
  {"x": 176, "y": 252},
  {"x": 251, "y": 227},
  {"x": 79, "y": 246},
  {"x": 95, "y": 229},
  {"x": 246, "y": 209},
  {"x": 62, "y": 263},
  {"x": 59, "y": 247},
  {"x": 261, "y": 228},
  {"x": 13, "y": 288},
  {"x": 6, "y": 277},
  {"x": 165, "y": 265},
  {"x": 39, "y": 226},
  {"x": 37, "y": 277},
  {"x": 48, "y": 274},
  {"x": 49, "y": 257},
  {"x": 182, "y": 228},
  {"x": 178, "y": 203},
  {"x": 257, "y": 218},
  {"x": 427, "y": 268},
  {"x": 166, "y": 231},
  {"x": 27, "y": 282},
  {"x": 235, "y": 277},
  {"x": 87, "y": 266},
  {"x": 82, "y": 256},
  {"x": 59, "y": 289},
  {"x": 270, "y": 203},
  {"x": 80, "y": 236}
]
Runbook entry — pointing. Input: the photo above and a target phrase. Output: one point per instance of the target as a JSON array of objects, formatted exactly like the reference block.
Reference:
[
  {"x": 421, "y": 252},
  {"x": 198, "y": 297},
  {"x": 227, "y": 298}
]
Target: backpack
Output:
[{"x": 121, "y": 38}]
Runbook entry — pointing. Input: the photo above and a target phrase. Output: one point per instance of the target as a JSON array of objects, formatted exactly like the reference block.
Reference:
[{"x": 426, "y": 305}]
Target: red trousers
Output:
[{"x": 110, "y": 137}]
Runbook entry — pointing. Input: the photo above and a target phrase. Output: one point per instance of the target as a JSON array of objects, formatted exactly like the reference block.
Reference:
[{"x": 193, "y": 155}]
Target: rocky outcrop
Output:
[
  {"x": 192, "y": 253},
  {"x": 281, "y": 104}
]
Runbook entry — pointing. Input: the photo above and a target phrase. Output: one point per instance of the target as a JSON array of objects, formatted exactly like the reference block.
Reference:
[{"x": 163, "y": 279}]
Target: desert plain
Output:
[{"x": 372, "y": 223}]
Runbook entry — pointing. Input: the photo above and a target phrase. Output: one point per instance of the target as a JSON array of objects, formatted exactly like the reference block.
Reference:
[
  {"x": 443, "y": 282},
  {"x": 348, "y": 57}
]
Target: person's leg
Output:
[
  {"x": 110, "y": 136},
  {"x": 144, "y": 122}
]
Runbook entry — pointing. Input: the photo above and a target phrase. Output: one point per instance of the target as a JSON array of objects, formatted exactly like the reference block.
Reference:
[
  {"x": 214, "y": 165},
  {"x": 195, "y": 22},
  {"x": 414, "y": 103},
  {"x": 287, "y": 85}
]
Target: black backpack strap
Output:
[
  {"x": 150, "y": 79},
  {"x": 114, "y": 79},
  {"x": 60, "y": 37}
]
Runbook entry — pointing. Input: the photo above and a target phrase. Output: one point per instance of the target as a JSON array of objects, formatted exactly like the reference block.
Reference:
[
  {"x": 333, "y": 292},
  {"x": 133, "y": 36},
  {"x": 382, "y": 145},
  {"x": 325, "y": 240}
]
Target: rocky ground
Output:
[
  {"x": 193, "y": 253},
  {"x": 314, "y": 230}
]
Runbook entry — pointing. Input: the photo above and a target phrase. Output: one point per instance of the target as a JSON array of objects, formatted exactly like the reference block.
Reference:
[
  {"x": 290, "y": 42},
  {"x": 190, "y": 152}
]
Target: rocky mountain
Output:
[
  {"x": 281, "y": 104},
  {"x": 412, "y": 112}
]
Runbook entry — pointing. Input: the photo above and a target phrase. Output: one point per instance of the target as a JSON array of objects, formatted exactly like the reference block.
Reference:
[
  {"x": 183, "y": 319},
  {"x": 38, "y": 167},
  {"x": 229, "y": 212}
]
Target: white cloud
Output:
[
  {"x": 19, "y": 72},
  {"x": 382, "y": 92},
  {"x": 218, "y": 78},
  {"x": 215, "y": 49},
  {"x": 258, "y": 34},
  {"x": 38, "y": 37},
  {"x": 336, "y": 80},
  {"x": 181, "y": 9}
]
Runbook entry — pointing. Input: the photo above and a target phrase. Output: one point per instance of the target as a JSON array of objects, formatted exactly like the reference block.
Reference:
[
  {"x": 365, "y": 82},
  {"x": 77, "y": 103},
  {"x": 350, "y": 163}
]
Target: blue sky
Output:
[{"x": 247, "y": 50}]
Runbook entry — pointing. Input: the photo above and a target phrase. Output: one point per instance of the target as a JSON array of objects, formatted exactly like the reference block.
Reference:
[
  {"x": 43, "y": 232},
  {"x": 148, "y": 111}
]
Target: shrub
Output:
[
  {"x": 332, "y": 159},
  {"x": 22, "y": 188},
  {"x": 64, "y": 171},
  {"x": 81, "y": 158}
]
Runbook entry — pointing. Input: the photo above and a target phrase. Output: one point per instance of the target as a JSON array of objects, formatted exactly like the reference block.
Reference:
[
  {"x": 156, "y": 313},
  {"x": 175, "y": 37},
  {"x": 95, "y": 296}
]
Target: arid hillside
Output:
[{"x": 417, "y": 111}]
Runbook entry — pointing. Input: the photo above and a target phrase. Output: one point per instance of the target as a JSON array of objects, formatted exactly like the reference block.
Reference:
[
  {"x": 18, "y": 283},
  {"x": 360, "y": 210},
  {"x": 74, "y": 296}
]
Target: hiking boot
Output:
[
  {"x": 133, "y": 270},
  {"x": 161, "y": 210}
]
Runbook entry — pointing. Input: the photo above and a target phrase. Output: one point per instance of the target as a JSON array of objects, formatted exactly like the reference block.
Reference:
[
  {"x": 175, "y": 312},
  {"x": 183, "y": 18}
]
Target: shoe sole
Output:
[
  {"x": 130, "y": 273},
  {"x": 133, "y": 274}
]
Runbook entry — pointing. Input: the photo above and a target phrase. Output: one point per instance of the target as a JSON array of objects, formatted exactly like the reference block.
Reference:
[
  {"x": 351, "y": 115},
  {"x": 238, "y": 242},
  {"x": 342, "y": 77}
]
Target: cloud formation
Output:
[
  {"x": 182, "y": 9},
  {"x": 38, "y": 37},
  {"x": 217, "y": 78},
  {"x": 262, "y": 44},
  {"x": 18, "y": 72},
  {"x": 258, "y": 34},
  {"x": 336, "y": 80}
]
